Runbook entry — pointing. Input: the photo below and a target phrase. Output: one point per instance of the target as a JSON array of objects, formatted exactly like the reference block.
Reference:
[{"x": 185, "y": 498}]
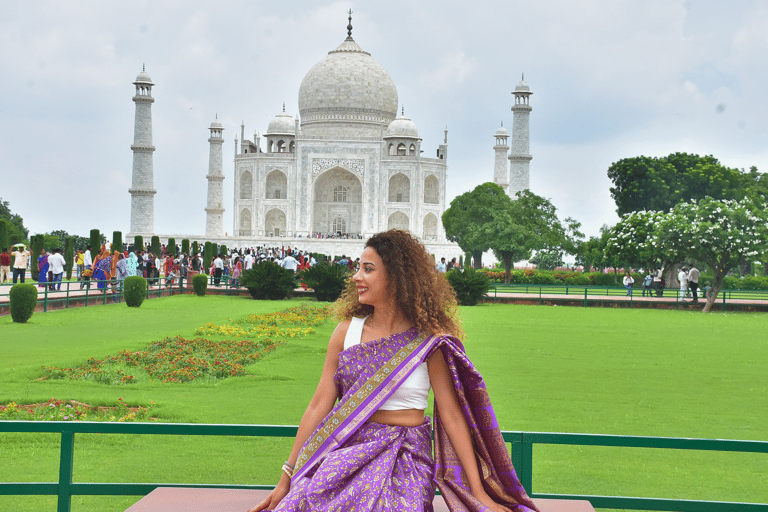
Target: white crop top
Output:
[{"x": 412, "y": 393}]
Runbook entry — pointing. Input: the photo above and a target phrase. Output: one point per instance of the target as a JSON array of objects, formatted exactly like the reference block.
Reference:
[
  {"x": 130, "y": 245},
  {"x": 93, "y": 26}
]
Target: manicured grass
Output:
[{"x": 616, "y": 371}]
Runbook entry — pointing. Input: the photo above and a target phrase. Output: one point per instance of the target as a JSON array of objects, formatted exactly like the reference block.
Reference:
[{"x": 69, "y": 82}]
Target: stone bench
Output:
[{"x": 192, "y": 499}]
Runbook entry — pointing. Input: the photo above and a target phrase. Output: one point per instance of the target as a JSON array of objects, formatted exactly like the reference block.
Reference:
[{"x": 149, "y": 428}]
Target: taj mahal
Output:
[{"x": 347, "y": 167}]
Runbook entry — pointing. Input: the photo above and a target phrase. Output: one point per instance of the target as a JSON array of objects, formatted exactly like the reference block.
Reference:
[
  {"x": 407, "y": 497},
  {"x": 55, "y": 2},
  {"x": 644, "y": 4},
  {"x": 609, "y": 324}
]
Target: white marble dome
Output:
[
  {"x": 143, "y": 78},
  {"x": 216, "y": 125},
  {"x": 402, "y": 128},
  {"x": 502, "y": 132},
  {"x": 282, "y": 124},
  {"x": 522, "y": 87},
  {"x": 347, "y": 94}
]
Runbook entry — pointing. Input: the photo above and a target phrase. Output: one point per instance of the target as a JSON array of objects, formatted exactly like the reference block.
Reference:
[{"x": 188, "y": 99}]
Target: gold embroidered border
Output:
[{"x": 366, "y": 390}]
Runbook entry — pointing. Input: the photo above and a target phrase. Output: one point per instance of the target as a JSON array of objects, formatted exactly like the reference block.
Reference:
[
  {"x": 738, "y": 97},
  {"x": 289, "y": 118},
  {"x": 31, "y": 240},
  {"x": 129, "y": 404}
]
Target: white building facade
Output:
[{"x": 349, "y": 167}]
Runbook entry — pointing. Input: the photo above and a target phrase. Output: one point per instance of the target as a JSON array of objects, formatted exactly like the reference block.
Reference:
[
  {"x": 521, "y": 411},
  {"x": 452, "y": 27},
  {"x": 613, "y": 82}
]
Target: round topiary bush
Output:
[
  {"x": 200, "y": 284},
  {"x": 135, "y": 291},
  {"x": 23, "y": 301}
]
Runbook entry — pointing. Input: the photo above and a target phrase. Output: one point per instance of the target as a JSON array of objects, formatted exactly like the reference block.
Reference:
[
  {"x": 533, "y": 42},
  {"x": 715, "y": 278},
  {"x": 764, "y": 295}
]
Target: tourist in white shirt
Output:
[
  {"x": 56, "y": 267},
  {"x": 682, "y": 276},
  {"x": 290, "y": 263},
  {"x": 218, "y": 269}
]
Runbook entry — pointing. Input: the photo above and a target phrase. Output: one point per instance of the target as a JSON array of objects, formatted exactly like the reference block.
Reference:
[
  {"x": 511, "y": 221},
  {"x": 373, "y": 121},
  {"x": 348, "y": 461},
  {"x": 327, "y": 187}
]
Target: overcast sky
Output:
[{"x": 611, "y": 79}]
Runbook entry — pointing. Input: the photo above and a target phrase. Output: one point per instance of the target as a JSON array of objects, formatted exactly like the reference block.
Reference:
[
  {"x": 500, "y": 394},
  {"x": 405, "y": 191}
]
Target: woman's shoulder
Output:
[{"x": 339, "y": 334}]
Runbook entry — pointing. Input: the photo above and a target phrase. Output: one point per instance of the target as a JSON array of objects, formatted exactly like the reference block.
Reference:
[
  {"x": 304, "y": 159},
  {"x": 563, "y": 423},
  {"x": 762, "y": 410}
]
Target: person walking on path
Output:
[
  {"x": 218, "y": 270},
  {"x": 5, "y": 266},
  {"x": 682, "y": 276},
  {"x": 693, "y": 282},
  {"x": 87, "y": 265},
  {"x": 79, "y": 259},
  {"x": 628, "y": 282},
  {"x": 657, "y": 283},
  {"x": 648, "y": 284},
  {"x": 42, "y": 267},
  {"x": 56, "y": 265}
]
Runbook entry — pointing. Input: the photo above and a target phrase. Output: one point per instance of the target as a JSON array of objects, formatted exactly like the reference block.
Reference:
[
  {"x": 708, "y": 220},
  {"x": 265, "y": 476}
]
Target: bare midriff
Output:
[{"x": 400, "y": 418}]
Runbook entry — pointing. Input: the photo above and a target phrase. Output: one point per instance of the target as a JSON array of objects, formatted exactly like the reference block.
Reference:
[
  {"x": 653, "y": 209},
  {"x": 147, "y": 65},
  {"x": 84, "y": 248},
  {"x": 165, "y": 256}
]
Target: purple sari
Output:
[{"x": 351, "y": 464}]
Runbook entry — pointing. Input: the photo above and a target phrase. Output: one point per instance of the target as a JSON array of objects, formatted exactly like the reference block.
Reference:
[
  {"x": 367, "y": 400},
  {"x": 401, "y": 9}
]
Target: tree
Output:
[
  {"x": 185, "y": 246},
  {"x": 155, "y": 246},
  {"x": 716, "y": 233},
  {"x": 646, "y": 183},
  {"x": 527, "y": 224},
  {"x": 37, "y": 244},
  {"x": 548, "y": 260},
  {"x": 15, "y": 222},
  {"x": 5, "y": 240},
  {"x": 69, "y": 254},
  {"x": 170, "y": 249},
  {"x": 633, "y": 242},
  {"x": 95, "y": 242},
  {"x": 469, "y": 219},
  {"x": 138, "y": 243}
]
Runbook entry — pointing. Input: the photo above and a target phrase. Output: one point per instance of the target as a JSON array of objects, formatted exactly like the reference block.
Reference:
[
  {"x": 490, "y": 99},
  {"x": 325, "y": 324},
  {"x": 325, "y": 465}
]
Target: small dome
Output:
[
  {"x": 282, "y": 124},
  {"x": 502, "y": 132},
  {"x": 402, "y": 128},
  {"x": 143, "y": 78},
  {"x": 522, "y": 87},
  {"x": 216, "y": 125}
]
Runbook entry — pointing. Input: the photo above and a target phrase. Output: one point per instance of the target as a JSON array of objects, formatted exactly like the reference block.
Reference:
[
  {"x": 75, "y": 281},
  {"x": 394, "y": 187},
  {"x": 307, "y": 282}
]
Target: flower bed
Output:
[{"x": 72, "y": 410}]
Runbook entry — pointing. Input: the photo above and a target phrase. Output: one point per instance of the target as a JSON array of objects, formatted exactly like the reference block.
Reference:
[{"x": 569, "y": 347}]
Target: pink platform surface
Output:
[{"x": 240, "y": 500}]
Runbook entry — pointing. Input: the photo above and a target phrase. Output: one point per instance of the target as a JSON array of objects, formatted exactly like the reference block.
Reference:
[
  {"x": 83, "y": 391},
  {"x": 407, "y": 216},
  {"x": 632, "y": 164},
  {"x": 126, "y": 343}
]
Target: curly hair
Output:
[{"x": 421, "y": 292}]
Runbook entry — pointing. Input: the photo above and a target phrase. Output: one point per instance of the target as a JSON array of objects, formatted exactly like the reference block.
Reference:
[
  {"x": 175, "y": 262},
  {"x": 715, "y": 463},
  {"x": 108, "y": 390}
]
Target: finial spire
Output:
[
  {"x": 445, "y": 141},
  {"x": 523, "y": 79},
  {"x": 349, "y": 27},
  {"x": 283, "y": 107},
  {"x": 143, "y": 68},
  {"x": 402, "y": 110},
  {"x": 502, "y": 124}
]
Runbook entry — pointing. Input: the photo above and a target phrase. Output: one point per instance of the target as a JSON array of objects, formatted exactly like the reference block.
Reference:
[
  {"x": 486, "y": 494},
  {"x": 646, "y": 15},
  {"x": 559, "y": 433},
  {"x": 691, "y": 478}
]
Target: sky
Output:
[{"x": 611, "y": 79}]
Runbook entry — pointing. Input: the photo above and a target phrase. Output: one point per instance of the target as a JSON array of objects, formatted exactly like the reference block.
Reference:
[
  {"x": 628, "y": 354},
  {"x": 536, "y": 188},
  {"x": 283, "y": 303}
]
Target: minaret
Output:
[
  {"x": 214, "y": 223},
  {"x": 500, "y": 168},
  {"x": 142, "y": 191},
  {"x": 520, "y": 158}
]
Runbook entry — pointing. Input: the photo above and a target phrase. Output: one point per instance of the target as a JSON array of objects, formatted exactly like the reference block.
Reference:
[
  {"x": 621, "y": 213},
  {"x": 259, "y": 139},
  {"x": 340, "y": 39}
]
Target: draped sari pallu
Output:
[{"x": 349, "y": 464}]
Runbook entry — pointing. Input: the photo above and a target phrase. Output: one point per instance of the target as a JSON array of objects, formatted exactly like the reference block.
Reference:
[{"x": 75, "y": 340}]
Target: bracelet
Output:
[
  {"x": 286, "y": 463},
  {"x": 287, "y": 470}
]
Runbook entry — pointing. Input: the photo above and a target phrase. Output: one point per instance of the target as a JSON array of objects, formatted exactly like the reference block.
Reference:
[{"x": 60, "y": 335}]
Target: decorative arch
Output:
[
  {"x": 398, "y": 220},
  {"x": 401, "y": 149},
  {"x": 274, "y": 222},
  {"x": 292, "y": 147},
  {"x": 412, "y": 149},
  {"x": 277, "y": 185},
  {"x": 337, "y": 196},
  {"x": 431, "y": 190},
  {"x": 245, "y": 222},
  {"x": 391, "y": 149},
  {"x": 399, "y": 188},
  {"x": 430, "y": 226},
  {"x": 246, "y": 185},
  {"x": 281, "y": 146}
]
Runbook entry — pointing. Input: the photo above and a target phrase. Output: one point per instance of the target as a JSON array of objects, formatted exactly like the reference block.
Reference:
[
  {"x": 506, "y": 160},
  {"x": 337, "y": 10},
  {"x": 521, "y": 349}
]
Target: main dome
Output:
[{"x": 347, "y": 95}]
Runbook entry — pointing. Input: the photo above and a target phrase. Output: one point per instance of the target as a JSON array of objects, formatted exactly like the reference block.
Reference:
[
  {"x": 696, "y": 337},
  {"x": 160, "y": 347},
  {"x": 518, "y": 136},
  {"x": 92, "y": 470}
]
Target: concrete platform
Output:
[{"x": 190, "y": 499}]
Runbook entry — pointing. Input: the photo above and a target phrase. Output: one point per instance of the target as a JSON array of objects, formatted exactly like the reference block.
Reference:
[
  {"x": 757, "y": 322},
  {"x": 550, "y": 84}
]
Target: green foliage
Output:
[
  {"x": 195, "y": 248},
  {"x": 23, "y": 302},
  {"x": 207, "y": 255},
  {"x": 5, "y": 241},
  {"x": 15, "y": 224},
  {"x": 328, "y": 281},
  {"x": 268, "y": 280},
  {"x": 658, "y": 184},
  {"x": 469, "y": 285},
  {"x": 117, "y": 241},
  {"x": 14, "y": 239},
  {"x": 185, "y": 245},
  {"x": 223, "y": 250},
  {"x": 69, "y": 255},
  {"x": 170, "y": 248},
  {"x": 95, "y": 241},
  {"x": 548, "y": 259},
  {"x": 37, "y": 244},
  {"x": 138, "y": 243},
  {"x": 135, "y": 291},
  {"x": 200, "y": 284},
  {"x": 155, "y": 245}
]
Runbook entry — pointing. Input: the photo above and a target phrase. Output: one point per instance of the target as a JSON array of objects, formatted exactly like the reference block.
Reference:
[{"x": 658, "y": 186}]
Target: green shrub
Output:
[
  {"x": 117, "y": 241},
  {"x": 542, "y": 278},
  {"x": 602, "y": 279},
  {"x": 195, "y": 248},
  {"x": 754, "y": 283},
  {"x": 170, "y": 248},
  {"x": 95, "y": 241},
  {"x": 155, "y": 246},
  {"x": 328, "y": 281},
  {"x": 5, "y": 241},
  {"x": 135, "y": 291},
  {"x": 200, "y": 284},
  {"x": 268, "y": 280},
  {"x": 185, "y": 245},
  {"x": 578, "y": 279},
  {"x": 69, "y": 255},
  {"x": 138, "y": 243},
  {"x": 223, "y": 250},
  {"x": 207, "y": 255},
  {"x": 23, "y": 301},
  {"x": 731, "y": 283},
  {"x": 469, "y": 285}
]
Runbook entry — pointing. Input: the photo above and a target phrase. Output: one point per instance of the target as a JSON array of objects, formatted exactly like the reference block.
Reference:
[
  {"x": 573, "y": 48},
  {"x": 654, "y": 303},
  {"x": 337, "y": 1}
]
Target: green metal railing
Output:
[
  {"x": 619, "y": 294},
  {"x": 522, "y": 458}
]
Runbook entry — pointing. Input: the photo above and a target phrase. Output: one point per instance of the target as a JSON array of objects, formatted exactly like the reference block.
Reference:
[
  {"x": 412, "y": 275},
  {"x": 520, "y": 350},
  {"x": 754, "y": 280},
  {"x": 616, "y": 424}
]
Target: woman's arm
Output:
[
  {"x": 456, "y": 426},
  {"x": 321, "y": 404}
]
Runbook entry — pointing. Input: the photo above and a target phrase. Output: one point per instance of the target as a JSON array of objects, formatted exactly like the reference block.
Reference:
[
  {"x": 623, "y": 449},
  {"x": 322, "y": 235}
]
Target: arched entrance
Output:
[
  {"x": 274, "y": 222},
  {"x": 398, "y": 220},
  {"x": 338, "y": 203}
]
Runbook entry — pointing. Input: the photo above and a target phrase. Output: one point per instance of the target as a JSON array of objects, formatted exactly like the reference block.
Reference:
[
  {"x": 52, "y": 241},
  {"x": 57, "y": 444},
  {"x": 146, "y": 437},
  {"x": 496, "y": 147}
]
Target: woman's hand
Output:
[
  {"x": 492, "y": 505},
  {"x": 271, "y": 501}
]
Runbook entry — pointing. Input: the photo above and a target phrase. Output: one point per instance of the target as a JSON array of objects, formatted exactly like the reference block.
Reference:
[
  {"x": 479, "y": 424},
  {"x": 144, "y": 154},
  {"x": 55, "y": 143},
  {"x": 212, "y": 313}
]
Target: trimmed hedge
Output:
[
  {"x": 268, "y": 280},
  {"x": 117, "y": 241},
  {"x": 200, "y": 284},
  {"x": 138, "y": 243},
  {"x": 135, "y": 291},
  {"x": 155, "y": 246},
  {"x": 185, "y": 245},
  {"x": 23, "y": 302},
  {"x": 69, "y": 255}
]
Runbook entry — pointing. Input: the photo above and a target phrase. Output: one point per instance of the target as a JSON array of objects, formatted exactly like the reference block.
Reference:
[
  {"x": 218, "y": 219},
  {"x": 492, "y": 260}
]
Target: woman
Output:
[
  {"x": 121, "y": 270},
  {"x": 102, "y": 268},
  {"x": 237, "y": 270},
  {"x": 399, "y": 336},
  {"x": 42, "y": 267},
  {"x": 628, "y": 282},
  {"x": 132, "y": 264}
]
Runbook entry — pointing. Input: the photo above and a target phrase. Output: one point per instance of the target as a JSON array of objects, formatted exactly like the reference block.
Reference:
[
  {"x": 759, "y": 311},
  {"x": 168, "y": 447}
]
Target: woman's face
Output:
[{"x": 371, "y": 279}]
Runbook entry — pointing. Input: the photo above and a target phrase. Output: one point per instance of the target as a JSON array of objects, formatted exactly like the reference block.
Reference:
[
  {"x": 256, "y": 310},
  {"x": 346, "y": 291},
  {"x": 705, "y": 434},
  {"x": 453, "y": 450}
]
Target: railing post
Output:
[
  {"x": 540, "y": 295},
  {"x": 45, "y": 298},
  {"x": 585, "y": 296},
  {"x": 66, "y": 464},
  {"x": 66, "y": 302},
  {"x": 526, "y": 478},
  {"x": 517, "y": 454},
  {"x": 566, "y": 289}
]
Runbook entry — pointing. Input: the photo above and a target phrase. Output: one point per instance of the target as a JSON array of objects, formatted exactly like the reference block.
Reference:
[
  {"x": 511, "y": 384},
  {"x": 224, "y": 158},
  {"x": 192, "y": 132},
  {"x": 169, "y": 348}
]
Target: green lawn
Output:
[{"x": 551, "y": 369}]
